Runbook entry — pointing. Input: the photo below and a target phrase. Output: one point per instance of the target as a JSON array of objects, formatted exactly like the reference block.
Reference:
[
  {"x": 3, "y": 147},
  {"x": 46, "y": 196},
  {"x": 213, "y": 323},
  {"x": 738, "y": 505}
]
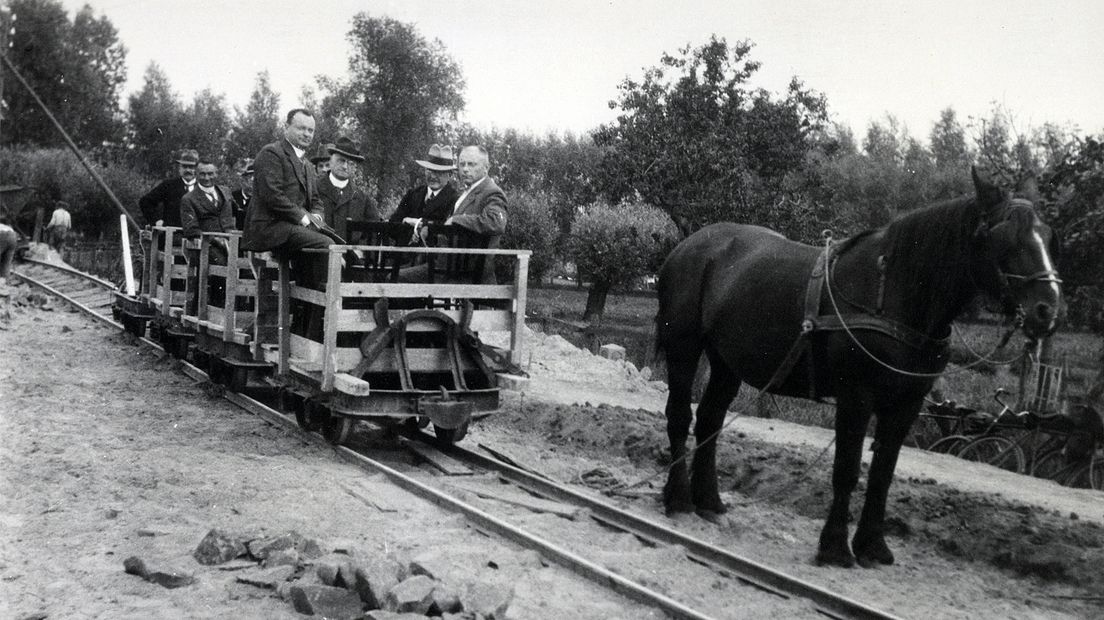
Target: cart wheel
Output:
[
  {"x": 337, "y": 429},
  {"x": 238, "y": 378},
  {"x": 317, "y": 414},
  {"x": 416, "y": 423},
  {"x": 180, "y": 350},
  {"x": 449, "y": 436},
  {"x": 216, "y": 371}
]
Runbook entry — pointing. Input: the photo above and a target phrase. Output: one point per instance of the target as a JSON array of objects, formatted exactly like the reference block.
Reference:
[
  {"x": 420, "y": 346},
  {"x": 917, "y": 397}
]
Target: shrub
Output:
[
  {"x": 57, "y": 175},
  {"x": 531, "y": 227},
  {"x": 616, "y": 245}
]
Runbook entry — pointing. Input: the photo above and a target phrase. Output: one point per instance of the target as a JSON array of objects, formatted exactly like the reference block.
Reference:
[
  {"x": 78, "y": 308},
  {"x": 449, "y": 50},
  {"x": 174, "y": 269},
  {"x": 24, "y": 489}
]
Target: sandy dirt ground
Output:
[{"x": 108, "y": 452}]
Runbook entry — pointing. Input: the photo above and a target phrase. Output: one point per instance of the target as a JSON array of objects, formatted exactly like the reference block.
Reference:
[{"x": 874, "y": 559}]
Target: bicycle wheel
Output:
[
  {"x": 1090, "y": 475},
  {"x": 950, "y": 445},
  {"x": 1049, "y": 464},
  {"x": 997, "y": 451}
]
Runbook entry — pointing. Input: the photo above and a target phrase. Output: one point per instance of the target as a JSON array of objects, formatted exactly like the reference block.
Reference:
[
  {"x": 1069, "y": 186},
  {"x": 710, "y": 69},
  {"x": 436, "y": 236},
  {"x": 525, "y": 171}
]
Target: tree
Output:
[
  {"x": 402, "y": 90},
  {"x": 77, "y": 68},
  {"x": 205, "y": 125},
  {"x": 694, "y": 139},
  {"x": 948, "y": 142},
  {"x": 616, "y": 245},
  {"x": 156, "y": 116},
  {"x": 258, "y": 124}
]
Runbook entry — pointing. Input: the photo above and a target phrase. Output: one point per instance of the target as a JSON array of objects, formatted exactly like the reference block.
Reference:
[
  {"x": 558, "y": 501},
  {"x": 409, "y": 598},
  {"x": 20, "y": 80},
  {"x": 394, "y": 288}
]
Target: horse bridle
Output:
[{"x": 1009, "y": 283}]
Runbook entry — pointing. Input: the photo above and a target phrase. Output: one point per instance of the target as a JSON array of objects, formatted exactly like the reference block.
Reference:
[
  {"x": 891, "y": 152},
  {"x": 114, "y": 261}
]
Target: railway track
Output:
[{"x": 93, "y": 296}]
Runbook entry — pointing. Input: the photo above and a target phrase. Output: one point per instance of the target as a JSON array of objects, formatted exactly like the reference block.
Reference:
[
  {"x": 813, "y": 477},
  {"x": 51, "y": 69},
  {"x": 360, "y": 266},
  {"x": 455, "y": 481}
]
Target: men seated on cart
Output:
[
  {"x": 208, "y": 208},
  {"x": 338, "y": 198},
  {"x": 480, "y": 210}
]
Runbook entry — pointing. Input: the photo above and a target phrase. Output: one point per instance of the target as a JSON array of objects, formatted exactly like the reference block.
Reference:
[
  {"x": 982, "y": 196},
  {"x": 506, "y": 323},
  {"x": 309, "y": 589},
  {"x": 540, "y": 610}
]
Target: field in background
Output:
[{"x": 629, "y": 320}]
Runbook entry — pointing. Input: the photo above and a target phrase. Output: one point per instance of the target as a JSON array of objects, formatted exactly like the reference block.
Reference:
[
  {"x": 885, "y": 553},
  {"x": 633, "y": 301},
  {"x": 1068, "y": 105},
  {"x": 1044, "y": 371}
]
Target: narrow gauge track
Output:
[{"x": 93, "y": 296}]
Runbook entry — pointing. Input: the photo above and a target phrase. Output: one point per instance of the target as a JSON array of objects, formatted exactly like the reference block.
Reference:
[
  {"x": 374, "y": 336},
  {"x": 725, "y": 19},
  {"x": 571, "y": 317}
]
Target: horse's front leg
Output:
[
  {"x": 869, "y": 544},
  {"x": 852, "y": 415}
]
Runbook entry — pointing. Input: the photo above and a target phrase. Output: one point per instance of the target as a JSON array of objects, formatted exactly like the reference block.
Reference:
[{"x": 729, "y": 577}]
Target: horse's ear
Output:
[{"x": 988, "y": 194}]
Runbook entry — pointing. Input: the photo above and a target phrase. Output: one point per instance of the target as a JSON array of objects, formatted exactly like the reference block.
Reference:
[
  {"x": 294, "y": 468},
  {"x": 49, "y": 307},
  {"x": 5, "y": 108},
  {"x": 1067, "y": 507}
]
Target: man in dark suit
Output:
[
  {"x": 339, "y": 199},
  {"x": 481, "y": 208},
  {"x": 208, "y": 208},
  {"x": 432, "y": 202},
  {"x": 244, "y": 193},
  {"x": 161, "y": 206},
  {"x": 280, "y": 219}
]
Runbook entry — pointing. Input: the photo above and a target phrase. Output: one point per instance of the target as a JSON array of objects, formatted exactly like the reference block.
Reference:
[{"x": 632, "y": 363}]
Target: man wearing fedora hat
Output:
[
  {"x": 161, "y": 206},
  {"x": 244, "y": 193},
  {"x": 339, "y": 199},
  {"x": 433, "y": 201}
]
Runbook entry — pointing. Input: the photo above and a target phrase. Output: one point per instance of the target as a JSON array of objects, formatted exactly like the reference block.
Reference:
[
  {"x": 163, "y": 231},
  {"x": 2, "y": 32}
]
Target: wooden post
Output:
[
  {"x": 128, "y": 268},
  {"x": 203, "y": 279},
  {"x": 167, "y": 263},
  {"x": 329, "y": 319},
  {"x": 283, "y": 328},
  {"x": 521, "y": 292},
  {"x": 230, "y": 299}
]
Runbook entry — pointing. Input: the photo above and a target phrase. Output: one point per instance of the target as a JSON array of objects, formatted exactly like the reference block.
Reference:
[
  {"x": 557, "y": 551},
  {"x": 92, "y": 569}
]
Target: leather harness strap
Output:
[{"x": 814, "y": 321}]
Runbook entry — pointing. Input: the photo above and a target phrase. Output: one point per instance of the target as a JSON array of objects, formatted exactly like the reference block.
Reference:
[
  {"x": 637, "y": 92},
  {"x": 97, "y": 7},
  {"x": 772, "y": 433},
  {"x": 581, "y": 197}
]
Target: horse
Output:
[{"x": 866, "y": 321}]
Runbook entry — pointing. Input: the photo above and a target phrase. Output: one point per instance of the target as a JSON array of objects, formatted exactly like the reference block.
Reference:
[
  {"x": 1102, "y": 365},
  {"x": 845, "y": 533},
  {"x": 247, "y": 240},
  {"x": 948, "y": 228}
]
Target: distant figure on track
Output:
[
  {"x": 8, "y": 241},
  {"x": 57, "y": 231}
]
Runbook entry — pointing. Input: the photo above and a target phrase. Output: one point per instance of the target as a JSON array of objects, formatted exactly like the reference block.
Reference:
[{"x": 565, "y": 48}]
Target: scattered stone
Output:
[
  {"x": 414, "y": 594},
  {"x": 613, "y": 352},
  {"x": 218, "y": 547},
  {"x": 111, "y": 513},
  {"x": 146, "y": 533},
  {"x": 330, "y": 570},
  {"x": 262, "y": 547},
  {"x": 327, "y": 601},
  {"x": 237, "y": 565},
  {"x": 269, "y": 578},
  {"x": 281, "y": 557},
  {"x": 168, "y": 579},
  {"x": 38, "y": 615},
  {"x": 374, "y": 578},
  {"x": 489, "y": 599},
  {"x": 445, "y": 601}
]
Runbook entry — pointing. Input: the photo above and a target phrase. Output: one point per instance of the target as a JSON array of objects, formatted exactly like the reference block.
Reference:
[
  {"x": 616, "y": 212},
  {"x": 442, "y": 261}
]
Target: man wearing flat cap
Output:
[
  {"x": 244, "y": 193},
  {"x": 432, "y": 202},
  {"x": 339, "y": 199},
  {"x": 161, "y": 206}
]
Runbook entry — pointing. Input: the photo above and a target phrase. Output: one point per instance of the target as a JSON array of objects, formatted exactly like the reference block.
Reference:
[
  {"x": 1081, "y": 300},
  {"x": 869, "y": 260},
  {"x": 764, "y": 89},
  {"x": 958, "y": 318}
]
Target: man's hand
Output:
[
  {"x": 311, "y": 219},
  {"x": 416, "y": 222},
  {"x": 159, "y": 223}
]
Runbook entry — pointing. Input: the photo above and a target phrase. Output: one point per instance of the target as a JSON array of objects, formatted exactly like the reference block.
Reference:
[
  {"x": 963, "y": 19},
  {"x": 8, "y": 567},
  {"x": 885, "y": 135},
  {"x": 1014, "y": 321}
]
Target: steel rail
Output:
[
  {"x": 76, "y": 272},
  {"x": 57, "y": 293},
  {"x": 824, "y": 601}
]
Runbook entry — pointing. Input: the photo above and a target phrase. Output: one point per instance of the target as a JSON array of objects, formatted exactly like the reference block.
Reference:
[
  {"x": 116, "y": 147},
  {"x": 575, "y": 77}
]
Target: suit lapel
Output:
[{"x": 297, "y": 165}]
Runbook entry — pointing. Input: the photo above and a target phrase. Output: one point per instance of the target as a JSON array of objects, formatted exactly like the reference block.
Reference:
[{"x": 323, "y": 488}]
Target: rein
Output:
[{"x": 1017, "y": 321}]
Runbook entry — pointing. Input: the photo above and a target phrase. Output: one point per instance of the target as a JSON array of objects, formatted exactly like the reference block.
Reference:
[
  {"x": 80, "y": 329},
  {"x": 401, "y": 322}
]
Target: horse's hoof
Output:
[
  {"x": 871, "y": 552},
  {"x": 714, "y": 517},
  {"x": 675, "y": 508},
  {"x": 835, "y": 557}
]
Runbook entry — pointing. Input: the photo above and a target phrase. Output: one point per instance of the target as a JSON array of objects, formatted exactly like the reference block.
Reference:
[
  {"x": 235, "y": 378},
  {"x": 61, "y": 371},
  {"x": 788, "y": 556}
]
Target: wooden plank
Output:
[
  {"x": 448, "y": 465},
  {"x": 518, "y": 330},
  {"x": 509, "y": 495},
  {"x": 329, "y": 328},
  {"x": 417, "y": 290}
]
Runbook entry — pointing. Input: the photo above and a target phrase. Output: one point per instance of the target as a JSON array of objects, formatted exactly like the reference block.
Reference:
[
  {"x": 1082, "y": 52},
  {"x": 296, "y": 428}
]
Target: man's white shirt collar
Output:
[
  {"x": 339, "y": 184},
  {"x": 299, "y": 153}
]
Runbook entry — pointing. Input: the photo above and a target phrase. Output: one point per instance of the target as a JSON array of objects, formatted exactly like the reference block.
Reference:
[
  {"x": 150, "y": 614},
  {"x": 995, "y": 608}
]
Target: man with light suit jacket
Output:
[{"x": 481, "y": 207}]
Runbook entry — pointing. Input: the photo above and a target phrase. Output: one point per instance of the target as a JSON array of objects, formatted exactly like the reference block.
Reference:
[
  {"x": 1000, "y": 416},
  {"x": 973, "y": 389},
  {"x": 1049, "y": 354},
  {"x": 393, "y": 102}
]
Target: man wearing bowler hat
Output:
[
  {"x": 321, "y": 159},
  {"x": 161, "y": 206},
  {"x": 433, "y": 201},
  {"x": 338, "y": 198}
]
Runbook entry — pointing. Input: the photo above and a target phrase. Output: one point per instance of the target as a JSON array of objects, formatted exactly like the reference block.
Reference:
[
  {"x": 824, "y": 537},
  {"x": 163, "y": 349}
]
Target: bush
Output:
[
  {"x": 617, "y": 245},
  {"x": 531, "y": 227},
  {"x": 1086, "y": 308},
  {"x": 57, "y": 175}
]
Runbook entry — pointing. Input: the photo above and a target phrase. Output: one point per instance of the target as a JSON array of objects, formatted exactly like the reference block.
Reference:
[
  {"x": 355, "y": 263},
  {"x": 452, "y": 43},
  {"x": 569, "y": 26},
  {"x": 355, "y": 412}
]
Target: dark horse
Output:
[{"x": 768, "y": 310}]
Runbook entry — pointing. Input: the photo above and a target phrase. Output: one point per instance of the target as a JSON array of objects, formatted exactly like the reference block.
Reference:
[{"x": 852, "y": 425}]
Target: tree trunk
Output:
[{"x": 596, "y": 302}]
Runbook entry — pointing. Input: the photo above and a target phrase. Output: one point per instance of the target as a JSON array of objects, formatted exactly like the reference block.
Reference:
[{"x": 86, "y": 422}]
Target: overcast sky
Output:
[{"x": 556, "y": 65}]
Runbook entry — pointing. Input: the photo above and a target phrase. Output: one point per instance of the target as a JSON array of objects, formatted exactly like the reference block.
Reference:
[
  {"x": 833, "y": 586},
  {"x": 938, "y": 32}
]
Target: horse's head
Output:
[{"x": 1016, "y": 264}]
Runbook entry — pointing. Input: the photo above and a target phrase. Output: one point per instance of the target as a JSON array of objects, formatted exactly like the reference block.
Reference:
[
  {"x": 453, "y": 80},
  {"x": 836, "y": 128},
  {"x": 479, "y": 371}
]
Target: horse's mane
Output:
[{"x": 929, "y": 246}]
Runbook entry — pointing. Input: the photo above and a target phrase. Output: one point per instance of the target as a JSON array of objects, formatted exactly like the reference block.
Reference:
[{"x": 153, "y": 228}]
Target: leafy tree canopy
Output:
[
  {"x": 77, "y": 68},
  {"x": 694, "y": 138}
]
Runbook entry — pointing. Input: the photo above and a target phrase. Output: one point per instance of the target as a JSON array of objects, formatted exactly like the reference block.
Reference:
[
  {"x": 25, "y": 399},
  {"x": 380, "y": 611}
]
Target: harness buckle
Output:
[{"x": 807, "y": 326}]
